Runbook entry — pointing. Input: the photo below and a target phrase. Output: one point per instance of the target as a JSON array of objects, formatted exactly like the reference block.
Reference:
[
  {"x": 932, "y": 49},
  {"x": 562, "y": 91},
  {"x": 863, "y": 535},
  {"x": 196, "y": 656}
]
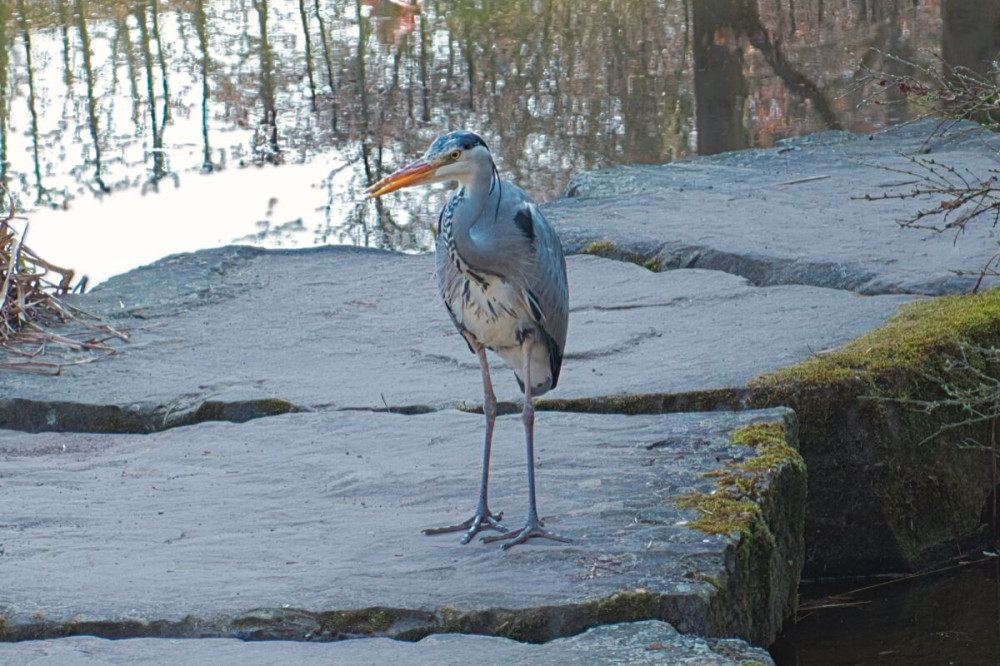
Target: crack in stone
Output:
[
  {"x": 37, "y": 416},
  {"x": 632, "y": 306},
  {"x": 533, "y": 624},
  {"x": 63, "y": 416},
  {"x": 631, "y": 341},
  {"x": 759, "y": 270}
]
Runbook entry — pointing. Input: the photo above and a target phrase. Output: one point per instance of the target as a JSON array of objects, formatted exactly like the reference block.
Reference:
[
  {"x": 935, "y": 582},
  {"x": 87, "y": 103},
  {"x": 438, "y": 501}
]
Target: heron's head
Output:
[{"x": 457, "y": 156}]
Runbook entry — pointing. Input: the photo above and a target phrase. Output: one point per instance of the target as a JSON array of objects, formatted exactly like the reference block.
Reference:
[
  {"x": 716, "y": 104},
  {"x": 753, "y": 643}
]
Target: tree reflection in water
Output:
[{"x": 99, "y": 95}]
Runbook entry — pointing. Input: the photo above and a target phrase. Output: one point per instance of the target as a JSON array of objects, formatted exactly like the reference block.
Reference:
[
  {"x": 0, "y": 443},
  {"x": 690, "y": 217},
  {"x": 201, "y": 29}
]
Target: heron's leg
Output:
[
  {"x": 484, "y": 519},
  {"x": 533, "y": 527}
]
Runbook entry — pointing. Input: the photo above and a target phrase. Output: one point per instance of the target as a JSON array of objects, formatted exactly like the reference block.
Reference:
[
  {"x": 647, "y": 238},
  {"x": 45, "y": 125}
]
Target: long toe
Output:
[
  {"x": 533, "y": 530},
  {"x": 472, "y": 526}
]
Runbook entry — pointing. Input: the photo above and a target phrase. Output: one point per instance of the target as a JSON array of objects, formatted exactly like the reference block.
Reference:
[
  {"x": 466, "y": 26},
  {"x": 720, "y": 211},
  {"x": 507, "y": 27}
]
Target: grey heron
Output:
[{"x": 502, "y": 275}]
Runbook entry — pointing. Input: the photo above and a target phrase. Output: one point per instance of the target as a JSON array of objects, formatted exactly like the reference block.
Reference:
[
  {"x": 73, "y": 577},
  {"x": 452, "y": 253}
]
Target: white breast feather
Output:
[{"x": 492, "y": 313}]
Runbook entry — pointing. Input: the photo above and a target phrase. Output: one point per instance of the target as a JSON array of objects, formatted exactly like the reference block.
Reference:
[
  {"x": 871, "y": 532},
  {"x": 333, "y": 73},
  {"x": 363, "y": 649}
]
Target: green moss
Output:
[
  {"x": 757, "y": 502},
  {"x": 627, "y": 606},
  {"x": 632, "y": 404},
  {"x": 453, "y": 621},
  {"x": 705, "y": 578},
  {"x": 242, "y": 411},
  {"x": 895, "y": 489},
  {"x": 273, "y": 406},
  {"x": 718, "y": 513},
  {"x": 366, "y": 621},
  {"x": 757, "y": 434},
  {"x": 647, "y": 403},
  {"x": 608, "y": 250},
  {"x": 770, "y": 441},
  {"x": 919, "y": 335},
  {"x": 652, "y": 264},
  {"x": 537, "y": 625},
  {"x": 380, "y": 621},
  {"x": 732, "y": 506},
  {"x": 600, "y": 248},
  {"x": 526, "y": 626}
]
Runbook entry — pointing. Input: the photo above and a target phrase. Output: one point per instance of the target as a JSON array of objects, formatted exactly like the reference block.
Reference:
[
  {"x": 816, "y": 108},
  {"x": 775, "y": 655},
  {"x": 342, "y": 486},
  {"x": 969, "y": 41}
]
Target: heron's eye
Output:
[{"x": 455, "y": 154}]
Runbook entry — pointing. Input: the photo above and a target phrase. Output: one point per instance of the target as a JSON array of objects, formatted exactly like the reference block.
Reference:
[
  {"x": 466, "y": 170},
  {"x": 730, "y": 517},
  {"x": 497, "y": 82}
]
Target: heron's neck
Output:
[{"x": 473, "y": 219}]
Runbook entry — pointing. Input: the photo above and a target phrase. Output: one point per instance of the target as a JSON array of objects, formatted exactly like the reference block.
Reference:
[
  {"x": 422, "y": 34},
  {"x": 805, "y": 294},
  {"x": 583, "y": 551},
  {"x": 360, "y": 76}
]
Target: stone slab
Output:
[
  {"x": 636, "y": 643},
  {"x": 307, "y": 526},
  {"x": 795, "y": 213},
  {"x": 239, "y": 332}
]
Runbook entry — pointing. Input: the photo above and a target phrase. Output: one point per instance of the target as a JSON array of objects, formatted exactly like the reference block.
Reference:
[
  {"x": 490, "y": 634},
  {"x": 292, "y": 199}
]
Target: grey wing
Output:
[
  {"x": 548, "y": 287},
  {"x": 549, "y": 282}
]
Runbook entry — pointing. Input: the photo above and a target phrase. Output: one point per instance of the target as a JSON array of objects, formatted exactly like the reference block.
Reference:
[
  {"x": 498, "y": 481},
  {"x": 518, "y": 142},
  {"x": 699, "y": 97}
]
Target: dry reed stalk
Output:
[{"x": 31, "y": 309}]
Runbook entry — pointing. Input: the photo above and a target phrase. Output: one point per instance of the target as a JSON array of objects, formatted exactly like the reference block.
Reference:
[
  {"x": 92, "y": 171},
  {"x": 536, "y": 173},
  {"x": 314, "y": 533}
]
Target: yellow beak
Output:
[{"x": 412, "y": 174}]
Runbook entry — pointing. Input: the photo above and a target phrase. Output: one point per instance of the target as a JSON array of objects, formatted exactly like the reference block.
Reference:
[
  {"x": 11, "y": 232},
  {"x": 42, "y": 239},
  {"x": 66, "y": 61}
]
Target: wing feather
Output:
[{"x": 547, "y": 282}]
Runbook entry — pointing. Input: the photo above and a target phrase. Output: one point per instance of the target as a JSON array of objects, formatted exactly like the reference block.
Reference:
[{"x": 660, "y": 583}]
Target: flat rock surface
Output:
[
  {"x": 636, "y": 643},
  {"x": 796, "y": 214},
  {"x": 255, "y": 529},
  {"x": 349, "y": 329}
]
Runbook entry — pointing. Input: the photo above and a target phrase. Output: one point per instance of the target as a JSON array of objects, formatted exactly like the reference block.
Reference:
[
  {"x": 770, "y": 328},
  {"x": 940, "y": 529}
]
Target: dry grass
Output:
[{"x": 32, "y": 310}]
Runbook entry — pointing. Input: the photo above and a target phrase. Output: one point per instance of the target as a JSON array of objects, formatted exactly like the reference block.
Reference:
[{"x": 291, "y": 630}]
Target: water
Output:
[
  {"x": 113, "y": 112},
  {"x": 951, "y": 618}
]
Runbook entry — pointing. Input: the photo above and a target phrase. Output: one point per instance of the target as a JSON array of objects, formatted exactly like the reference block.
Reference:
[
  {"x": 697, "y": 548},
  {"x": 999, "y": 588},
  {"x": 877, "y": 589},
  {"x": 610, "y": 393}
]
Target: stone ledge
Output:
[
  {"x": 792, "y": 214},
  {"x": 635, "y": 643},
  {"x": 234, "y": 333},
  {"x": 307, "y": 526}
]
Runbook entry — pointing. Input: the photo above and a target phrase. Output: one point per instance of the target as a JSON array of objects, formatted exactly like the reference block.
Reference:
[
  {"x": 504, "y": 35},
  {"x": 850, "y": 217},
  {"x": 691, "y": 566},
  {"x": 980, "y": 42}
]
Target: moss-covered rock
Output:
[
  {"x": 361, "y": 622},
  {"x": 709, "y": 400},
  {"x": 609, "y": 250},
  {"x": 886, "y": 494},
  {"x": 760, "y": 500}
]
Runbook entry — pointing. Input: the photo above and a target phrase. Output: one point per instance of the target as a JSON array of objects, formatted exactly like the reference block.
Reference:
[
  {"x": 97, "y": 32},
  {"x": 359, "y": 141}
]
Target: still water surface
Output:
[
  {"x": 294, "y": 105},
  {"x": 939, "y": 620}
]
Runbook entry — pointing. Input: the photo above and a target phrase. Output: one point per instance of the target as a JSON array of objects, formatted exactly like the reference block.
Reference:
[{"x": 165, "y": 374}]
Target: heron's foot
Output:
[
  {"x": 533, "y": 530},
  {"x": 485, "y": 520}
]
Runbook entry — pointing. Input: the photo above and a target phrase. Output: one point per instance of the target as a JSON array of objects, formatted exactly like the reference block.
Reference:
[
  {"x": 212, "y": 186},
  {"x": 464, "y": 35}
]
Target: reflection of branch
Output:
[
  {"x": 156, "y": 129},
  {"x": 155, "y": 12},
  {"x": 266, "y": 147},
  {"x": 793, "y": 79},
  {"x": 32, "y": 109},
  {"x": 329, "y": 62},
  {"x": 308, "y": 46},
  {"x": 64, "y": 21},
  {"x": 952, "y": 91},
  {"x": 201, "y": 26},
  {"x": 81, "y": 26},
  {"x": 5, "y": 49}
]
